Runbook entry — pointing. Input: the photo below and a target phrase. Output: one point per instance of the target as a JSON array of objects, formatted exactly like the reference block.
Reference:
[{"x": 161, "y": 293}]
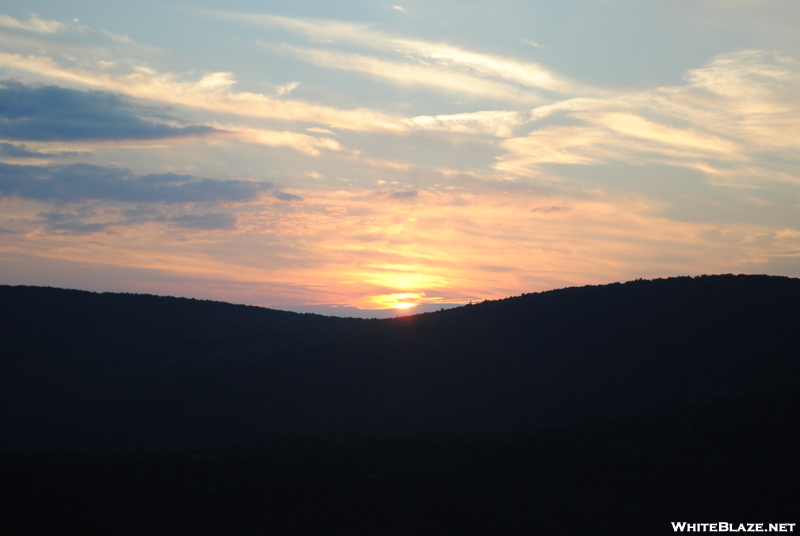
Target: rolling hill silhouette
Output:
[
  {"x": 104, "y": 372},
  {"x": 614, "y": 409}
]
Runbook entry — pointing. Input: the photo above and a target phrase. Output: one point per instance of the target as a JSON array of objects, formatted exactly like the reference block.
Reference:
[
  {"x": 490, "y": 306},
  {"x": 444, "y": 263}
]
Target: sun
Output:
[{"x": 402, "y": 301}]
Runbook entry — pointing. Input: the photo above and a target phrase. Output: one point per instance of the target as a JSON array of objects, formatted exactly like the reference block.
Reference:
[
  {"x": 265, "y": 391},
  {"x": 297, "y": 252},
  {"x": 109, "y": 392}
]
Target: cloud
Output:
[
  {"x": 53, "y": 113},
  {"x": 448, "y": 57},
  {"x": 19, "y": 151},
  {"x": 144, "y": 213},
  {"x": 494, "y": 123},
  {"x": 123, "y": 39},
  {"x": 69, "y": 223},
  {"x": 749, "y": 75},
  {"x": 399, "y": 8},
  {"x": 84, "y": 181},
  {"x": 382, "y": 247},
  {"x": 424, "y": 226},
  {"x": 33, "y": 24},
  {"x": 556, "y": 145},
  {"x": 211, "y": 221},
  {"x": 285, "y": 89},
  {"x": 404, "y": 194},
  {"x": 310, "y": 145},
  {"x": 636, "y": 126},
  {"x": 215, "y": 81},
  {"x": 212, "y": 92},
  {"x": 321, "y": 130},
  {"x": 550, "y": 209},
  {"x": 737, "y": 118},
  {"x": 405, "y": 74},
  {"x": 283, "y": 196},
  {"x": 376, "y": 246},
  {"x": 530, "y": 42}
]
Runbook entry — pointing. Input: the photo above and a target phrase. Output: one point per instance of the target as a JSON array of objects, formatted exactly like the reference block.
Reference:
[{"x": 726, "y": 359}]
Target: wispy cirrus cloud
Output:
[
  {"x": 406, "y": 74},
  {"x": 493, "y": 122},
  {"x": 214, "y": 92},
  {"x": 305, "y": 143},
  {"x": 448, "y": 57},
  {"x": 742, "y": 108},
  {"x": 211, "y": 92},
  {"x": 285, "y": 89},
  {"x": 530, "y": 42},
  {"x": 71, "y": 37},
  {"x": 34, "y": 24},
  {"x": 52, "y": 113}
]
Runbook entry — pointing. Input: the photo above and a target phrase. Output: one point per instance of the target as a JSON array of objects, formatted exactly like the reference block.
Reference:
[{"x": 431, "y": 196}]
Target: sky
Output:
[{"x": 360, "y": 158}]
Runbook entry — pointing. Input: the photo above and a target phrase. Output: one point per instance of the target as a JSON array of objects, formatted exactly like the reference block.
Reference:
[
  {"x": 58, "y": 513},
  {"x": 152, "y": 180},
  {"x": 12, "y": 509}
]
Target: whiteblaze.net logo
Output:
[{"x": 722, "y": 526}]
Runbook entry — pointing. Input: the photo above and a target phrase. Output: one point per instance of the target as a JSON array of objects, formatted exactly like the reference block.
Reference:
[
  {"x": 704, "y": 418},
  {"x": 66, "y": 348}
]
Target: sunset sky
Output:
[{"x": 343, "y": 157}]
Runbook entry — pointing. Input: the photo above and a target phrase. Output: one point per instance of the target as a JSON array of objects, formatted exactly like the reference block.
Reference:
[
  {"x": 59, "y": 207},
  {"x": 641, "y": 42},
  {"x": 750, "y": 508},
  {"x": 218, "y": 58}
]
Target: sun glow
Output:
[{"x": 405, "y": 300}]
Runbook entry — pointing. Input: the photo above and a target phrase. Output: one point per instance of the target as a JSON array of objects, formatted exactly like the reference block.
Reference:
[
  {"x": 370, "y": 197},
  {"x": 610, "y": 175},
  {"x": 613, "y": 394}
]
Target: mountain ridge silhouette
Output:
[{"x": 93, "y": 372}]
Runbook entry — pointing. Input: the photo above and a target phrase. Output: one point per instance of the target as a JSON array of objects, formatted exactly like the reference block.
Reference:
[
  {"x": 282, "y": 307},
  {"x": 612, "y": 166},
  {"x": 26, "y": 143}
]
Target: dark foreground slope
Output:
[
  {"x": 102, "y": 372},
  {"x": 616, "y": 409},
  {"x": 732, "y": 460}
]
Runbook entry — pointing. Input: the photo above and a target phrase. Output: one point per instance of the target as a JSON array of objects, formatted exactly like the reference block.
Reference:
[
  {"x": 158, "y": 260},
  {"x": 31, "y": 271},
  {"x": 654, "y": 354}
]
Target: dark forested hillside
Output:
[
  {"x": 733, "y": 460},
  {"x": 614, "y": 409},
  {"x": 95, "y": 372}
]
